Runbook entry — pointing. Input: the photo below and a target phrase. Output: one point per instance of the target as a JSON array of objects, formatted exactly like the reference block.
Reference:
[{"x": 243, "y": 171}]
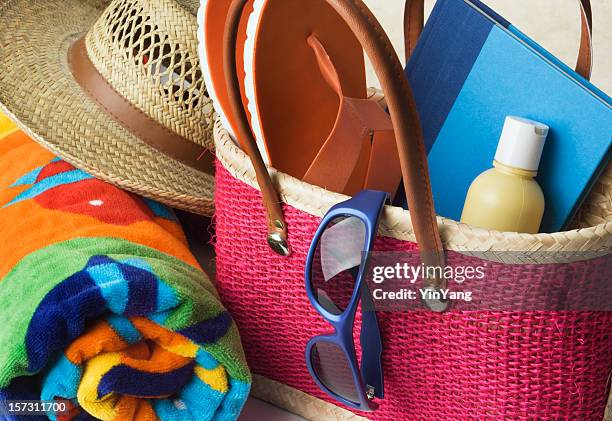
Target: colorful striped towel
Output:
[{"x": 102, "y": 306}]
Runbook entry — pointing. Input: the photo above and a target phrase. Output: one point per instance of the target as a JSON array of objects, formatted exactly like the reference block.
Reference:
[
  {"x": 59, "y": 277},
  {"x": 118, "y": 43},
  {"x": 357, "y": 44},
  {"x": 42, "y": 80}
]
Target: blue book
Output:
[{"x": 471, "y": 69}]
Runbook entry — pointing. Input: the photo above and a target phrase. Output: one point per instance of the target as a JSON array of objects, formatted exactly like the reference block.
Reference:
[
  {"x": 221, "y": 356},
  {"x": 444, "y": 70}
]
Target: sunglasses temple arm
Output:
[{"x": 371, "y": 345}]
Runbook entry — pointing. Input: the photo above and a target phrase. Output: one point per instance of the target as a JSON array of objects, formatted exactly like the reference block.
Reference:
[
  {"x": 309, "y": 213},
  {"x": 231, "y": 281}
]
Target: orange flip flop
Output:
[
  {"x": 212, "y": 15},
  {"x": 360, "y": 151},
  {"x": 293, "y": 108}
]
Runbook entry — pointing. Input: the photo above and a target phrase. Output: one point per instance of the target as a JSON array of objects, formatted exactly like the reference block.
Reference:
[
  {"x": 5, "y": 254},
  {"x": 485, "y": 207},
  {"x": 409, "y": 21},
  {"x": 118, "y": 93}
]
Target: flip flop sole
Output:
[{"x": 211, "y": 25}]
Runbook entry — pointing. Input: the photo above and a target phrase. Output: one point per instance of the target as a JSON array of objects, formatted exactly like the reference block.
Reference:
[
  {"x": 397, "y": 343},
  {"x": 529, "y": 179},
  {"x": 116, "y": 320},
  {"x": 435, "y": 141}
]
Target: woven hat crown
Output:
[{"x": 147, "y": 51}]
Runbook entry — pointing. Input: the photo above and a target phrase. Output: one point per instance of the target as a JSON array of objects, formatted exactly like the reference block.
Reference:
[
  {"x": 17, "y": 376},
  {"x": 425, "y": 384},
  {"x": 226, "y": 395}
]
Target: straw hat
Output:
[{"x": 115, "y": 89}]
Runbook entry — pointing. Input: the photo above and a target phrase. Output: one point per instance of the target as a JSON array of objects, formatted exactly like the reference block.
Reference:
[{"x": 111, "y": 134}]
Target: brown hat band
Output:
[{"x": 131, "y": 118}]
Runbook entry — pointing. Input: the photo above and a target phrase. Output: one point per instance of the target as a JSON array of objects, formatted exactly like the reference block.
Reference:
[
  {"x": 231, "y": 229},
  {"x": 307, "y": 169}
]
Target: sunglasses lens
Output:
[
  {"x": 332, "y": 368},
  {"x": 336, "y": 263}
]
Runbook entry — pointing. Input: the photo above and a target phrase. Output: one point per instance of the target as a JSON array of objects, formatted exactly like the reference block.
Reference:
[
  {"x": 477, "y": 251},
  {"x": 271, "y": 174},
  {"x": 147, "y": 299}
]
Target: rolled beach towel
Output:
[{"x": 103, "y": 308}]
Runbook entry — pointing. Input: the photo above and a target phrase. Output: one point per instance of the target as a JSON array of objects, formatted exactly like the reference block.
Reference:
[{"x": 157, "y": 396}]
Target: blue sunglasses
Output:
[{"x": 335, "y": 267}]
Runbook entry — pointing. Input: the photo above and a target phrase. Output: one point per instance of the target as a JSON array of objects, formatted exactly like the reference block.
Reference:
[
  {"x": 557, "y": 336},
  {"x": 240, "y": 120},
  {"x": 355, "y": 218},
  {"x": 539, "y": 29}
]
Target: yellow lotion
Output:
[{"x": 506, "y": 197}]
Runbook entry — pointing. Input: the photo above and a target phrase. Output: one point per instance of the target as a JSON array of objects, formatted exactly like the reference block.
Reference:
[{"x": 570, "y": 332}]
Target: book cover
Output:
[{"x": 469, "y": 71}]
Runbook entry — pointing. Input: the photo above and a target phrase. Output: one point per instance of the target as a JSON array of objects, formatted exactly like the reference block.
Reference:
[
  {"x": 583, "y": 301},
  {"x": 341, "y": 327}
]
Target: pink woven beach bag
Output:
[{"x": 484, "y": 364}]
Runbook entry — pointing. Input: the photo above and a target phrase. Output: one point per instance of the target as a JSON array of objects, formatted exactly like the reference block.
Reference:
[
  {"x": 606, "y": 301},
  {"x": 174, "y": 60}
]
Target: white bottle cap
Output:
[{"x": 521, "y": 143}]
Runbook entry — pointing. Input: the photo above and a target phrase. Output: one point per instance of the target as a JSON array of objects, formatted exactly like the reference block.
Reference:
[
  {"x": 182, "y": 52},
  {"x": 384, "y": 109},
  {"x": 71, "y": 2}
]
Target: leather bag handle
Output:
[
  {"x": 404, "y": 116},
  {"x": 277, "y": 228},
  {"x": 414, "y": 20}
]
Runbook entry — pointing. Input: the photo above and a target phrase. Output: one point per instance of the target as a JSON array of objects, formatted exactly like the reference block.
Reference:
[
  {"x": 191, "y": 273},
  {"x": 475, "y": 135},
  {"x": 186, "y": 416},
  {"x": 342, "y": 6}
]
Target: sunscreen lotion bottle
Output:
[{"x": 506, "y": 197}]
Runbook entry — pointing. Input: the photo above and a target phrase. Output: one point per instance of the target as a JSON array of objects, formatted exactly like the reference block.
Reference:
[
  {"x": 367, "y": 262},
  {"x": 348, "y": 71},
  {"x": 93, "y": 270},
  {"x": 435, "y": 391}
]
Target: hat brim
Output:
[{"x": 39, "y": 92}]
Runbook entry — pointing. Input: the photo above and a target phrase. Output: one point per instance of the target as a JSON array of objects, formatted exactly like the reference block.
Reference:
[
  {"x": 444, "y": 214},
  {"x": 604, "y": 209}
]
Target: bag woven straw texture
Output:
[
  {"x": 475, "y": 365},
  {"x": 463, "y": 238}
]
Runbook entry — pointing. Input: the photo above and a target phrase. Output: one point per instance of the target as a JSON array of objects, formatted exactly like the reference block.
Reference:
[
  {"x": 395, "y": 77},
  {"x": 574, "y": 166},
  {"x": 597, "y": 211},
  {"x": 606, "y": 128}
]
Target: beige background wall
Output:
[{"x": 555, "y": 24}]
